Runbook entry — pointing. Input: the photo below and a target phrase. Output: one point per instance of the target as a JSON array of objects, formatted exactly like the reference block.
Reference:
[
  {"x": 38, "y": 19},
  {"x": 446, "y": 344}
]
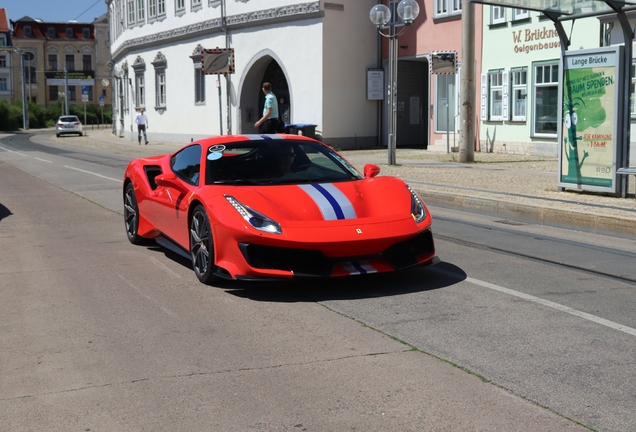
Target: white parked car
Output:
[{"x": 68, "y": 125}]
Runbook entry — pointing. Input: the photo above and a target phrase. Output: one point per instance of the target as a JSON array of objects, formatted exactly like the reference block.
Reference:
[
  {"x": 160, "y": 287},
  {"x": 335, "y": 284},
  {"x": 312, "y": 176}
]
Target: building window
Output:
[
  {"x": 71, "y": 93},
  {"x": 3, "y": 61},
  {"x": 140, "y": 90},
  {"x": 52, "y": 62},
  {"x": 27, "y": 31},
  {"x": 160, "y": 64},
  {"x": 50, "y": 32},
  {"x": 87, "y": 62},
  {"x": 53, "y": 93},
  {"x": 86, "y": 33},
  {"x": 444, "y": 8},
  {"x": 179, "y": 6},
  {"x": 195, "y": 5},
  {"x": 70, "y": 62},
  {"x": 131, "y": 12},
  {"x": 498, "y": 14},
  {"x": 546, "y": 96},
  {"x": 519, "y": 14},
  {"x": 161, "y": 88},
  {"x": 3, "y": 41},
  {"x": 199, "y": 85},
  {"x": 161, "y": 7},
  {"x": 69, "y": 33},
  {"x": 496, "y": 95},
  {"x": 3, "y": 84},
  {"x": 445, "y": 102},
  {"x": 141, "y": 10},
  {"x": 152, "y": 9},
  {"x": 519, "y": 94}
]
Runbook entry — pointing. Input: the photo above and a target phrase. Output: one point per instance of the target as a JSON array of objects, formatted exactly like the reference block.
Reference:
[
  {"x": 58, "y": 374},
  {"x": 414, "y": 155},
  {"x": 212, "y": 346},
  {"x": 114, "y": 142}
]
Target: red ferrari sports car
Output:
[{"x": 272, "y": 207}]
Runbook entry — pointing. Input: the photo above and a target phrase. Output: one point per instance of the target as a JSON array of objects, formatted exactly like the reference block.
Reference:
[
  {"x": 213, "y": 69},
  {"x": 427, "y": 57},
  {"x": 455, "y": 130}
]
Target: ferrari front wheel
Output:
[
  {"x": 202, "y": 246},
  {"x": 131, "y": 215}
]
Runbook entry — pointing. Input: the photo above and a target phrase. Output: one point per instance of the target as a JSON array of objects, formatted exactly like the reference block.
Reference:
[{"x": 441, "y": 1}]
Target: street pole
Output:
[
  {"x": 392, "y": 103},
  {"x": 467, "y": 138},
  {"x": 25, "y": 105},
  {"x": 65, "y": 91}
]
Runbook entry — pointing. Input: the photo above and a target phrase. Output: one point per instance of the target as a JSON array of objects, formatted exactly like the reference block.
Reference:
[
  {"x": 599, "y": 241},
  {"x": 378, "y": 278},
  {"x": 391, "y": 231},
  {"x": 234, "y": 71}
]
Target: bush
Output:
[{"x": 11, "y": 115}]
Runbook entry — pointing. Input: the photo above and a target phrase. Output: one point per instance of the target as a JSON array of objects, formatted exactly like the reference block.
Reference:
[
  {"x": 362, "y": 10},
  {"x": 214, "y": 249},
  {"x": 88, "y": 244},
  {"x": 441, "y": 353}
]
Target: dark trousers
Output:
[
  {"x": 269, "y": 126},
  {"x": 141, "y": 129}
]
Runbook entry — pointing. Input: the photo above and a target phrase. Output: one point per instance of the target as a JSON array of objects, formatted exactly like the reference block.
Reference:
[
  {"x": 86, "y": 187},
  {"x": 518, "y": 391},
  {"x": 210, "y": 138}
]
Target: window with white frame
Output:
[
  {"x": 141, "y": 11},
  {"x": 519, "y": 14},
  {"x": 546, "y": 97},
  {"x": 498, "y": 14},
  {"x": 519, "y": 94},
  {"x": 160, "y": 64},
  {"x": 139, "y": 68},
  {"x": 445, "y": 102},
  {"x": 161, "y": 7},
  {"x": 131, "y": 12},
  {"x": 179, "y": 6},
  {"x": 496, "y": 95},
  {"x": 3, "y": 61},
  {"x": 140, "y": 89},
  {"x": 3, "y": 41},
  {"x": 444, "y": 8},
  {"x": 152, "y": 9},
  {"x": 3, "y": 84}
]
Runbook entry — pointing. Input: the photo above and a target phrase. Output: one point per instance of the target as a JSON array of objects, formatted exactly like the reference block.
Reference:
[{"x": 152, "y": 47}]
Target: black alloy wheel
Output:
[
  {"x": 202, "y": 246},
  {"x": 131, "y": 215}
]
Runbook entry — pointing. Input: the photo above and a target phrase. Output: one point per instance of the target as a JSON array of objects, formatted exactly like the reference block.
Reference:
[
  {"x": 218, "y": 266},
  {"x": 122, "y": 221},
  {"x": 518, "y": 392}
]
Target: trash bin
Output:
[
  {"x": 291, "y": 129},
  {"x": 308, "y": 130}
]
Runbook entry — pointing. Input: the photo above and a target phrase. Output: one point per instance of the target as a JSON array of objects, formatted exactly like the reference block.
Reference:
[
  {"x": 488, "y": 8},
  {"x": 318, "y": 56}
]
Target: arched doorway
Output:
[
  {"x": 275, "y": 76},
  {"x": 265, "y": 68}
]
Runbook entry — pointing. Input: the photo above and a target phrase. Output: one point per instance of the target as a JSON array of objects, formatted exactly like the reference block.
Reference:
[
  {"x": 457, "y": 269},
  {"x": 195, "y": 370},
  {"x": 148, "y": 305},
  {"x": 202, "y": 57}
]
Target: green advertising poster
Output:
[{"x": 588, "y": 138}]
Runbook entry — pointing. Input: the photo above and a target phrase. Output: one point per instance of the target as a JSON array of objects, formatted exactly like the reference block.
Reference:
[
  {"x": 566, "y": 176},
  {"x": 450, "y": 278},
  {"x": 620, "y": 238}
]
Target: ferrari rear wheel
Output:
[
  {"x": 202, "y": 246},
  {"x": 131, "y": 215}
]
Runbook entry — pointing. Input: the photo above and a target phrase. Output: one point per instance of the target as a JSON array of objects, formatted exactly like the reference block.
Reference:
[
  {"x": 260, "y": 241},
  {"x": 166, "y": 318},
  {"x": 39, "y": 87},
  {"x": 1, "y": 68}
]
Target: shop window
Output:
[{"x": 546, "y": 97}]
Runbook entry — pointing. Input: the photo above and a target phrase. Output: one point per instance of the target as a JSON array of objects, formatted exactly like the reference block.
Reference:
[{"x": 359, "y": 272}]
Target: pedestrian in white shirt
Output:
[{"x": 142, "y": 124}]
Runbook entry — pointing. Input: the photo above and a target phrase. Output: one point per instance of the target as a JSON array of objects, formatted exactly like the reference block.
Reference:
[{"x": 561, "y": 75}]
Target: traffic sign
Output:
[
  {"x": 85, "y": 93},
  {"x": 101, "y": 100}
]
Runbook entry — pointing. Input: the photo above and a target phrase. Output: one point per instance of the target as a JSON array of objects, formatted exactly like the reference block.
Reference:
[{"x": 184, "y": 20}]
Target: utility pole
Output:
[
  {"x": 467, "y": 140},
  {"x": 25, "y": 105}
]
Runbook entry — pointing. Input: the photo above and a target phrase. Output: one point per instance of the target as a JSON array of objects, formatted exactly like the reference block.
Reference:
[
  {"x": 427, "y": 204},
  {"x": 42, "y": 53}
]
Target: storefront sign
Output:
[
  {"x": 75, "y": 78},
  {"x": 375, "y": 84},
  {"x": 590, "y": 119}
]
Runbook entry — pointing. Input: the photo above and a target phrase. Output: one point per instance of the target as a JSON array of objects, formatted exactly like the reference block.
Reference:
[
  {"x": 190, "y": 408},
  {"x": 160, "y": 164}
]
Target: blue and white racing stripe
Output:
[
  {"x": 255, "y": 137},
  {"x": 333, "y": 204},
  {"x": 358, "y": 267}
]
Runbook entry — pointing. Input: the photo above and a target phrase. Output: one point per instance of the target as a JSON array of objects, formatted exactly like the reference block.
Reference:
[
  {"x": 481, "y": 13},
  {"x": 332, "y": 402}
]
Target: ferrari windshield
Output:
[{"x": 275, "y": 161}]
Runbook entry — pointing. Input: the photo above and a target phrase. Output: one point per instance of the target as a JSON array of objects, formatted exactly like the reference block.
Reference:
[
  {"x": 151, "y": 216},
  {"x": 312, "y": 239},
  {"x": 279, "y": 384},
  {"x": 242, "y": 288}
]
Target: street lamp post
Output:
[
  {"x": 25, "y": 105},
  {"x": 382, "y": 17}
]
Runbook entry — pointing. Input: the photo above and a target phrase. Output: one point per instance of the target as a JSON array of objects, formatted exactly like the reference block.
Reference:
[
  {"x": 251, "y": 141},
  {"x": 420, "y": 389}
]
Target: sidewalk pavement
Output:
[{"x": 517, "y": 187}]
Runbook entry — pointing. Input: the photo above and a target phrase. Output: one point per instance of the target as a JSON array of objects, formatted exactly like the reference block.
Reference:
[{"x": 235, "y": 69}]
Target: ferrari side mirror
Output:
[
  {"x": 169, "y": 180},
  {"x": 371, "y": 170}
]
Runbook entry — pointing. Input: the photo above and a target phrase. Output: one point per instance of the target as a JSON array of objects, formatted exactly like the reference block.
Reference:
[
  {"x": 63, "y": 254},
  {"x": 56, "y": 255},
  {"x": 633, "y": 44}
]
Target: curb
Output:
[{"x": 572, "y": 219}]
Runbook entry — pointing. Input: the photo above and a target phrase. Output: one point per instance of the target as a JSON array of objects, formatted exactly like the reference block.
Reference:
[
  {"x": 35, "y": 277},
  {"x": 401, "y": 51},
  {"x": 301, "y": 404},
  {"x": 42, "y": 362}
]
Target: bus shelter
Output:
[{"x": 594, "y": 95}]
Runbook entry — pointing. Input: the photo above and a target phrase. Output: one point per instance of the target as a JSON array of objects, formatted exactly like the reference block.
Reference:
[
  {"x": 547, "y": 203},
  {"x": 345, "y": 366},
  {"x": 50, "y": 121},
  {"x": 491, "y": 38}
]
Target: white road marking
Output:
[
  {"x": 92, "y": 173},
  {"x": 12, "y": 151},
  {"x": 557, "y": 306},
  {"x": 43, "y": 160}
]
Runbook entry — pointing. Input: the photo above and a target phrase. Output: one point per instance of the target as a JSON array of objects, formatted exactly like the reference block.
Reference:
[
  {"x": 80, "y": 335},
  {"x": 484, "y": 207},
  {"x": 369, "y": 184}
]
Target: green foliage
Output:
[{"x": 39, "y": 117}]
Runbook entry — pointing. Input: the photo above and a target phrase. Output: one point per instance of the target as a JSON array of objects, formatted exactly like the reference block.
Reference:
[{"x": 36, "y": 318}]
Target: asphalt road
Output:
[{"x": 101, "y": 335}]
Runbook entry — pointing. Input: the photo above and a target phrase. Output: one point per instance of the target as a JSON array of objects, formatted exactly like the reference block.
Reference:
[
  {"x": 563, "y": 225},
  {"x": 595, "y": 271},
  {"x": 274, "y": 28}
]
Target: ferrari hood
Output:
[{"x": 378, "y": 199}]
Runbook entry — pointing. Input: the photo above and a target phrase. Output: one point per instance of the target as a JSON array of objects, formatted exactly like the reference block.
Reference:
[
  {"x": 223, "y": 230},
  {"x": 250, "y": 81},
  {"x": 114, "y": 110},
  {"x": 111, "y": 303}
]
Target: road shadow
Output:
[
  {"x": 418, "y": 279},
  {"x": 4, "y": 212}
]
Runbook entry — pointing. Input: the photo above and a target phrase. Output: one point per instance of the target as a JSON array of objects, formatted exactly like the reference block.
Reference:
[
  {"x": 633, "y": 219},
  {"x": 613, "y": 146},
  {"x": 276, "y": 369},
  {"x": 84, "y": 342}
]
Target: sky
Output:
[{"x": 55, "y": 10}]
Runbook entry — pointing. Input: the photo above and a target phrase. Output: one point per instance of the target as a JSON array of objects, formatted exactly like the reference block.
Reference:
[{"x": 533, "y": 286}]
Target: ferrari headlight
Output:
[
  {"x": 418, "y": 211},
  {"x": 254, "y": 218}
]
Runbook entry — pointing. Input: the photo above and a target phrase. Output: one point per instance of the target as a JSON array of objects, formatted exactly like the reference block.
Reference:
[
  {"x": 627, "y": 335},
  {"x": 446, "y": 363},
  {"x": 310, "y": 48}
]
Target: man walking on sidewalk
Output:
[{"x": 142, "y": 124}]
